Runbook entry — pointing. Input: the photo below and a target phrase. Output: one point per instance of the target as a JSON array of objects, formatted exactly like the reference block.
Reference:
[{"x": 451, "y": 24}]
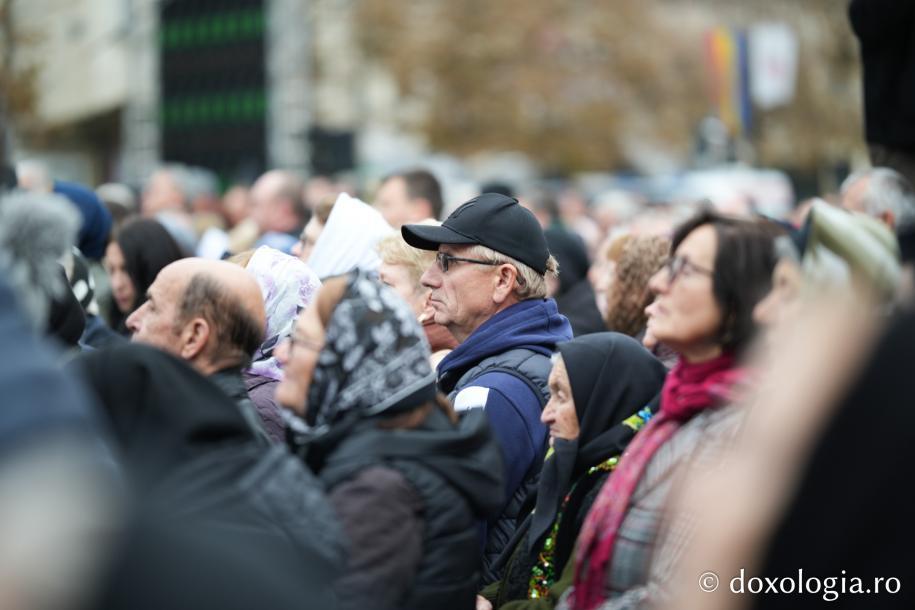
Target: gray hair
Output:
[
  {"x": 530, "y": 285},
  {"x": 117, "y": 194},
  {"x": 887, "y": 191},
  {"x": 183, "y": 178},
  {"x": 36, "y": 230}
]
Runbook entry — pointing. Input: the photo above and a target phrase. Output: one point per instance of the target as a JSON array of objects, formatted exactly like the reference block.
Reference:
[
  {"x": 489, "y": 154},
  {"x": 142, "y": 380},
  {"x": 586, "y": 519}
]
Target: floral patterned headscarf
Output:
[
  {"x": 288, "y": 286},
  {"x": 375, "y": 357}
]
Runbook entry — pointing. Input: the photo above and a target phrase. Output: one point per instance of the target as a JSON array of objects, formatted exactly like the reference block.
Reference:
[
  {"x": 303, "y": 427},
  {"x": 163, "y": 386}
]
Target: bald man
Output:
[{"x": 210, "y": 314}]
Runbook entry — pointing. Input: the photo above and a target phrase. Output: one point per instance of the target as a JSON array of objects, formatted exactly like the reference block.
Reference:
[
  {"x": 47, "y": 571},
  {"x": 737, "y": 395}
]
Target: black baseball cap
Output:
[{"x": 492, "y": 220}]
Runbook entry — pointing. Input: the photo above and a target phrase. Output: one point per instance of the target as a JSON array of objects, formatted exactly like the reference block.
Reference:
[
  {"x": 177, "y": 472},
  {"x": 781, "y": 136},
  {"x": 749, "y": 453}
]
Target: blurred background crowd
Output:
[{"x": 382, "y": 304}]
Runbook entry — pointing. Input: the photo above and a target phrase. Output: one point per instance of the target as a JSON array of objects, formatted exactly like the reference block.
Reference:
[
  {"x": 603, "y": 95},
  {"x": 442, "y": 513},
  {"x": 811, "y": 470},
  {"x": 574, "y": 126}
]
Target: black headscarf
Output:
[
  {"x": 575, "y": 297},
  {"x": 612, "y": 376},
  {"x": 375, "y": 361},
  {"x": 570, "y": 252},
  {"x": 375, "y": 357},
  {"x": 66, "y": 319},
  {"x": 162, "y": 412}
]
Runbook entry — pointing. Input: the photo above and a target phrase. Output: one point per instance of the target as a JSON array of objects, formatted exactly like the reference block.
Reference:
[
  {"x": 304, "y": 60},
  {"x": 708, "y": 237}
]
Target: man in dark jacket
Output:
[
  {"x": 886, "y": 32},
  {"x": 212, "y": 504},
  {"x": 210, "y": 314},
  {"x": 488, "y": 288}
]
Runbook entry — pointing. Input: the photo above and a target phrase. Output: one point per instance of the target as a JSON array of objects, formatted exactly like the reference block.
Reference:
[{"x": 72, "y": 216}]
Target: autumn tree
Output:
[
  {"x": 579, "y": 85},
  {"x": 556, "y": 79}
]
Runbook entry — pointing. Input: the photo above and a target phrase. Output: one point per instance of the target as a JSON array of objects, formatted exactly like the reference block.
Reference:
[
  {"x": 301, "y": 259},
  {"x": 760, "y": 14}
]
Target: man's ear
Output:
[
  {"x": 504, "y": 283},
  {"x": 194, "y": 338}
]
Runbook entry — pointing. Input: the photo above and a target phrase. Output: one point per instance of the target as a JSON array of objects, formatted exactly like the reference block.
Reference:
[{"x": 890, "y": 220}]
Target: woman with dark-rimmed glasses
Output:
[{"x": 719, "y": 268}]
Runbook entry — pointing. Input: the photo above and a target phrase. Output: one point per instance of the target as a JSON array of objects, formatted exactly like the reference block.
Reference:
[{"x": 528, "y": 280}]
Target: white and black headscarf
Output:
[{"x": 375, "y": 358}]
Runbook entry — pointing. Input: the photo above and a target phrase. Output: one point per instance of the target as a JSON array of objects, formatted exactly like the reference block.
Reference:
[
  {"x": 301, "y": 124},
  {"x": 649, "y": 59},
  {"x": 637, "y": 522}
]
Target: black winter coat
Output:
[
  {"x": 410, "y": 502},
  {"x": 886, "y": 32},
  {"x": 189, "y": 456}
]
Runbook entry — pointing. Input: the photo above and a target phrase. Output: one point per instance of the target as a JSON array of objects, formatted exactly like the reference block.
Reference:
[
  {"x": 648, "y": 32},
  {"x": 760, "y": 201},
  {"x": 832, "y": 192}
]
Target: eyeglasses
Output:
[
  {"x": 680, "y": 265},
  {"x": 444, "y": 260}
]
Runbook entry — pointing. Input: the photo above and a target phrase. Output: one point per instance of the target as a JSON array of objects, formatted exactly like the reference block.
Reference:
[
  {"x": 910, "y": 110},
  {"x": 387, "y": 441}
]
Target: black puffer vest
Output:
[
  {"x": 447, "y": 577},
  {"x": 534, "y": 369}
]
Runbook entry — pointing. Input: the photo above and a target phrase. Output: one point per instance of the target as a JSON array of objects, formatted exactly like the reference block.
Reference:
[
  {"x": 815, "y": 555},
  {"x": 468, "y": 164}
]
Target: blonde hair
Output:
[
  {"x": 241, "y": 259},
  {"x": 393, "y": 250},
  {"x": 531, "y": 285},
  {"x": 616, "y": 245}
]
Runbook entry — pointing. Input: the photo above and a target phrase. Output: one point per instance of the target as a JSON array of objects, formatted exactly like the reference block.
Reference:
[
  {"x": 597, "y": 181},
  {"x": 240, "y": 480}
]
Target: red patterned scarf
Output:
[{"x": 688, "y": 389}]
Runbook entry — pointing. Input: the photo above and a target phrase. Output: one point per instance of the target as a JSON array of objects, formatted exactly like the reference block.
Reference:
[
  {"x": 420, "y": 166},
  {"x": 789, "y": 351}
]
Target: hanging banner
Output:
[{"x": 773, "y": 64}]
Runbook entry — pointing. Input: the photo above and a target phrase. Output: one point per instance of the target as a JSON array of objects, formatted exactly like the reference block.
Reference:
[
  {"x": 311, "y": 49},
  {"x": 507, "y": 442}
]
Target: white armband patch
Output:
[{"x": 473, "y": 397}]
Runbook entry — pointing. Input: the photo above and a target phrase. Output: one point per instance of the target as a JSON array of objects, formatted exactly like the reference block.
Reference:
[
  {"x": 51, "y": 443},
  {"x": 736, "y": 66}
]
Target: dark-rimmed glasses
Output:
[
  {"x": 677, "y": 265},
  {"x": 444, "y": 260}
]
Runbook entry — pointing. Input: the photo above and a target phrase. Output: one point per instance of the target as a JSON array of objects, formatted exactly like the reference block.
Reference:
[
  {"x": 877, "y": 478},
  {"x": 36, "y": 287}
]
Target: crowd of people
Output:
[
  {"x": 296, "y": 393},
  {"x": 288, "y": 397}
]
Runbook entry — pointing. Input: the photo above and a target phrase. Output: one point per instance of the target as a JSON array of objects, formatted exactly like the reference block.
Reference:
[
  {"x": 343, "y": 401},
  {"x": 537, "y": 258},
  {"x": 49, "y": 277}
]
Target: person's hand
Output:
[{"x": 483, "y": 603}]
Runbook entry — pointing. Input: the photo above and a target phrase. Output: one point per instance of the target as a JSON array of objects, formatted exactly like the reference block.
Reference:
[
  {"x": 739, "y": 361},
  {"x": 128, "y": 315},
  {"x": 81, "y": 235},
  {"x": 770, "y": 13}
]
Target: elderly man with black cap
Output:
[{"x": 488, "y": 287}]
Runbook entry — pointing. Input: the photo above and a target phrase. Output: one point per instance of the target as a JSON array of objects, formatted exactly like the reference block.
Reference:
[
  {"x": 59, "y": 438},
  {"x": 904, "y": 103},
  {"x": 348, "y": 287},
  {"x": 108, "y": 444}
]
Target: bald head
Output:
[
  {"x": 210, "y": 313},
  {"x": 277, "y": 202},
  {"x": 232, "y": 281}
]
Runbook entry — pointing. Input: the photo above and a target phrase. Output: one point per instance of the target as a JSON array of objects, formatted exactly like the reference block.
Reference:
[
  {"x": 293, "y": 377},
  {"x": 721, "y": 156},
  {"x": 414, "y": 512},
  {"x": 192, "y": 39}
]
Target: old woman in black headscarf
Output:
[
  {"x": 601, "y": 387},
  {"x": 410, "y": 480}
]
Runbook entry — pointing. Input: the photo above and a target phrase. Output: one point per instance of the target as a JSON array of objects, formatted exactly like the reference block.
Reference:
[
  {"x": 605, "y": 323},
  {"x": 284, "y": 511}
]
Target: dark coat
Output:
[
  {"x": 262, "y": 391},
  {"x": 189, "y": 454},
  {"x": 518, "y": 566},
  {"x": 579, "y": 305},
  {"x": 410, "y": 502},
  {"x": 867, "y": 534},
  {"x": 886, "y": 32},
  {"x": 98, "y": 335},
  {"x": 231, "y": 382},
  {"x": 40, "y": 401}
]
